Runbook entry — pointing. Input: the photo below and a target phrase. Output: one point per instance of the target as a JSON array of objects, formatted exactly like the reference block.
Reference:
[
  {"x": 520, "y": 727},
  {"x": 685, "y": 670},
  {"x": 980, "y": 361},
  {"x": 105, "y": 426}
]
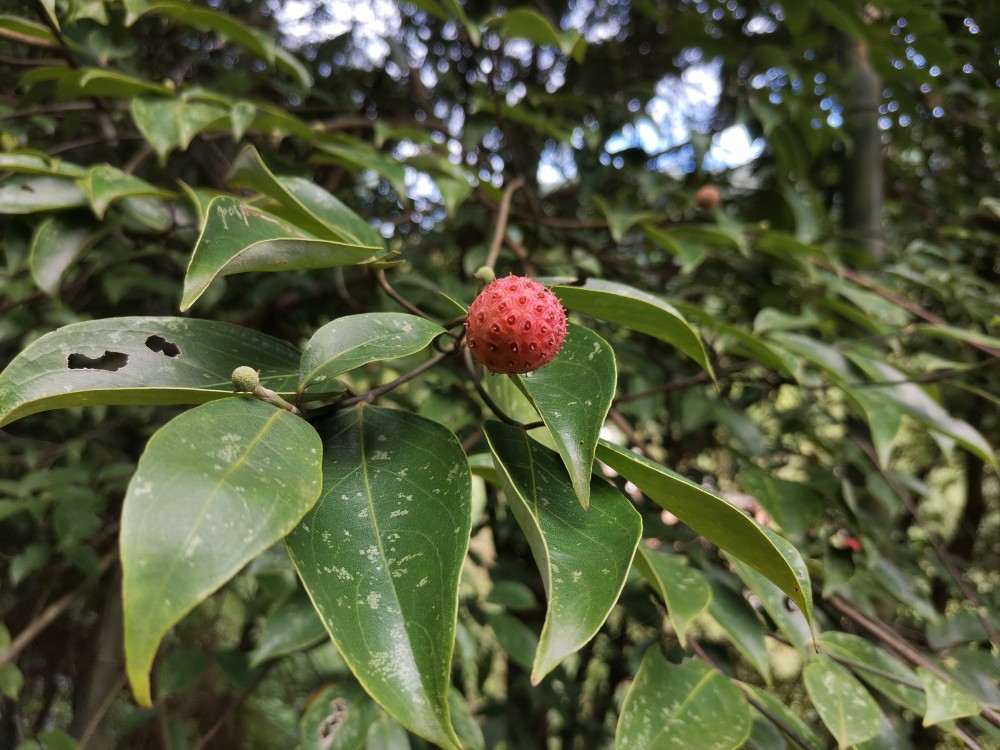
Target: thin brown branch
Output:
[
  {"x": 95, "y": 720},
  {"x": 370, "y": 395},
  {"x": 503, "y": 216},
  {"x": 234, "y": 705},
  {"x": 396, "y": 296},
  {"x": 522, "y": 255}
]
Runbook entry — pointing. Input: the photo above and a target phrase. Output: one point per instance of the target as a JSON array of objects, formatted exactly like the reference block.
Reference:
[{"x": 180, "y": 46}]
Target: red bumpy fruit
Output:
[{"x": 515, "y": 326}]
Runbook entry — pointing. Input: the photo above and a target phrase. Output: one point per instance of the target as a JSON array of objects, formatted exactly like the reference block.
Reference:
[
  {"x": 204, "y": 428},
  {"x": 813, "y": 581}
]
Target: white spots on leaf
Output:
[
  {"x": 398, "y": 513},
  {"x": 423, "y": 582},
  {"x": 373, "y": 599},
  {"x": 381, "y": 456}
]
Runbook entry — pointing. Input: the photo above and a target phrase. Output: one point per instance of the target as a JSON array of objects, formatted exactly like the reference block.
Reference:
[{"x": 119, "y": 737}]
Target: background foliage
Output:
[{"x": 845, "y": 288}]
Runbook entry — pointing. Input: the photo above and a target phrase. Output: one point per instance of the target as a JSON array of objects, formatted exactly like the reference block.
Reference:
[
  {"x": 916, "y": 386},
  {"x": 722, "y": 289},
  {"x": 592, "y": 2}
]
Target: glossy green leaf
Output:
[
  {"x": 28, "y": 194},
  {"x": 381, "y": 555},
  {"x": 583, "y": 555},
  {"x": 789, "y": 620},
  {"x": 680, "y": 707},
  {"x": 356, "y": 155},
  {"x": 518, "y": 640},
  {"x": 355, "y": 340},
  {"x": 620, "y": 221},
  {"x": 140, "y": 361},
  {"x": 291, "y": 627},
  {"x": 959, "y": 334},
  {"x": 104, "y": 184},
  {"x": 845, "y": 707},
  {"x": 524, "y": 23},
  {"x": 635, "y": 309},
  {"x": 303, "y": 203},
  {"x": 573, "y": 394},
  {"x": 215, "y": 487},
  {"x": 792, "y": 505},
  {"x": 913, "y": 400},
  {"x": 173, "y": 122},
  {"x": 878, "y": 668},
  {"x": 338, "y": 718},
  {"x": 774, "y": 706},
  {"x": 742, "y": 627},
  {"x": 38, "y": 162},
  {"x": 239, "y": 238},
  {"x": 75, "y": 83},
  {"x": 32, "y": 32},
  {"x": 56, "y": 245},
  {"x": 945, "y": 699},
  {"x": 683, "y": 589},
  {"x": 719, "y": 522}
]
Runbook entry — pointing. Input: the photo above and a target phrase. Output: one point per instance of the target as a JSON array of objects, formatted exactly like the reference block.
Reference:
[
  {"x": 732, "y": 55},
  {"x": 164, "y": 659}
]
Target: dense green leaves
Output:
[
  {"x": 680, "y": 707},
  {"x": 716, "y": 520},
  {"x": 848, "y": 711},
  {"x": 573, "y": 394},
  {"x": 583, "y": 555},
  {"x": 683, "y": 589},
  {"x": 381, "y": 553},
  {"x": 152, "y": 361},
  {"x": 193, "y": 517}
]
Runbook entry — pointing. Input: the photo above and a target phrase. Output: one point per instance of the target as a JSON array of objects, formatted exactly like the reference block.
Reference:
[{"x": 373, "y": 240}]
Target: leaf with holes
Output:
[
  {"x": 583, "y": 555},
  {"x": 381, "y": 555},
  {"x": 338, "y": 718},
  {"x": 677, "y": 707},
  {"x": 214, "y": 488},
  {"x": 355, "y": 340},
  {"x": 573, "y": 394},
  {"x": 140, "y": 361},
  {"x": 239, "y": 238}
]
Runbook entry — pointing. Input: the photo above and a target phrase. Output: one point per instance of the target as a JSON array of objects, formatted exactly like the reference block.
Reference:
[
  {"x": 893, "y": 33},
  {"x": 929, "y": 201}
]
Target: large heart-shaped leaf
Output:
[
  {"x": 635, "y": 309},
  {"x": 140, "y": 361},
  {"x": 719, "y": 522},
  {"x": 583, "y": 555},
  {"x": 680, "y": 707},
  {"x": 355, "y": 340},
  {"x": 238, "y": 238},
  {"x": 573, "y": 394},
  {"x": 683, "y": 589},
  {"x": 215, "y": 487},
  {"x": 381, "y": 555},
  {"x": 846, "y": 708}
]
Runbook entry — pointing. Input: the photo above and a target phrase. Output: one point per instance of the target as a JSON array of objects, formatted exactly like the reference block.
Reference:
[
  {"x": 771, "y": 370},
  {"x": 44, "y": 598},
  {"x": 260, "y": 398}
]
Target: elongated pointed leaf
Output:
[
  {"x": 845, "y": 707},
  {"x": 104, "y": 184},
  {"x": 30, "y": 193},
  {"x": 381, "y": 555},
  {"x": 38, "y": 162},
  {"x": 684, "y": 590},
  {"x": 637, "y": 310},
  {"x": 238, "y": 238},
  {"x": 140, "y": 361},
  {"x": 742, "y": 627},
  {"x": 193, "y": 516},
  {"x": 722, "y": 524},
  {"x": 879, "y": 669},
  {"x": 573, "y": 394},
  {"x": 173, "y": 122},
  {"x": 789, "y": 620},
  {"x": 355, "y": 340},
  {"x": 681, "y": 707},
  {"x": 291, "y": 627},
  {"x": 583, "y": 555},
  {"x": 303, "y": 203},
  {"x": 945, "y": 699}
]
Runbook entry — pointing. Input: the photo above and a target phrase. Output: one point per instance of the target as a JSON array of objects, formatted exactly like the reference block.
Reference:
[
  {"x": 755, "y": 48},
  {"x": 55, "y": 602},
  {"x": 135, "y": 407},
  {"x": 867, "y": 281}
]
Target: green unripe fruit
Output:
[{"x": 245, "y": 379}]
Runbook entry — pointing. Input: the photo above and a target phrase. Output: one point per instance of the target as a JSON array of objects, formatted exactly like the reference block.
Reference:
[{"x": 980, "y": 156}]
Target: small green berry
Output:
[
  {"x": 245, "y": 379},
  {"x": 485, "y": 275}
]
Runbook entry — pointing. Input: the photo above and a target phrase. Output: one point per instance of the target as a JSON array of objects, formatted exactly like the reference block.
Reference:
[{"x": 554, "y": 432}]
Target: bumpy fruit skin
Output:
[
  {"x": 515, "y": 326},
  {"x": 245, "y": 379}
]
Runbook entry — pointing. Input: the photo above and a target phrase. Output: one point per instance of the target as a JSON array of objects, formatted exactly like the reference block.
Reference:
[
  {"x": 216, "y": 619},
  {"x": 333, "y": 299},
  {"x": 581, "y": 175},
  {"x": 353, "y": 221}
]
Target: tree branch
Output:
[{"x": 503, "y": 216}]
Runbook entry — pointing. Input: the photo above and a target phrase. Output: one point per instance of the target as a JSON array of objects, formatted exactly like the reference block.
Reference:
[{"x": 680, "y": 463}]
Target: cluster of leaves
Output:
[{"x": 314, "y": 567}]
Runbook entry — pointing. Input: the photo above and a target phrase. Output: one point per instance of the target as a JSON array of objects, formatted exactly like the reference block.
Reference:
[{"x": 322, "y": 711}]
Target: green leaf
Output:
[
  {"x": 779, "y": 709},
  {"x": 338, "y": 719},
  {"x": 583, "y": 555},
  {"x": 573, "y": 394},
  {"x": 845, "y": 707},
  {"x": 169, "y": 123},
  {"x": 28, "y": 194},
  {"x": 719, "y": 522},
  {"x": 30, "y": 32},
  {"x": 945, "y": 699},
  {"x": 239, "y": 238},
  {"x": 214, "y": 488},
  {"x": 790, "y": 622},
  {"x": 958, "y": 334},
  {"x": 684, "y": 590},
  {"x": 518, "y": 640},
  {"x": 11, "y": 681},
  {"x": 742, "y": 627},
  {"x": 306, "y": 205},
  {"x": 140, "y": 361},
  {"x": 875, "y": 666},
  {"x": 56, "y": 245},
  {"x": 104, "y": 184},
  {"x": 293, "y": 626},
  {"x": 913, "y": 400},
  {"x": 635, "y": 309},
  {"x": 381, "y": 555},
  {"x": 619, "y": 222},
  {"x": 523, "y": 23},
  {"x": 792, "y": 505},
  {"x": 355, "y": 340},
  {"x": 38, "y": 162},
  {"x": 690, "y": 705},
  {"x": 76, "y": 83}
]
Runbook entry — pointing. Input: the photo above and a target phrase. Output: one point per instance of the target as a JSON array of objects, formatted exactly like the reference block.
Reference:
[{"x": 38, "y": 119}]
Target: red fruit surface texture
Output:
[{"x": 515, "y": 326}]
